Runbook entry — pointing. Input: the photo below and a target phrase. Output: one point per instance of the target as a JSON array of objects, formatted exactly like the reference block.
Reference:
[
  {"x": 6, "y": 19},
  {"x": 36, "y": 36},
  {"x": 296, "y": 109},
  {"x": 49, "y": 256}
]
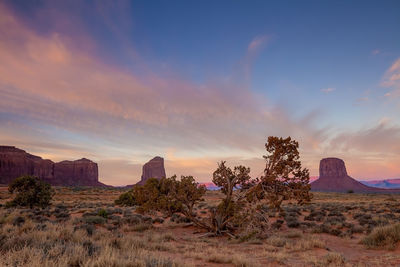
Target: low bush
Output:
[
  {"x": 277, "y": 241},
  {"x": 102, "y": 213},
  {"x": 30, "y": 192},
  {"x": 94, "y": 220},
  {"x": 126, "y": 199},
  {"x": 384, "y": 236}
]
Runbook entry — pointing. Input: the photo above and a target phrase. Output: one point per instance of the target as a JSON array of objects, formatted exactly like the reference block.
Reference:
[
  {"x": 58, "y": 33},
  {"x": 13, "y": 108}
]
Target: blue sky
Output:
[{"x": 201, "y": 81}]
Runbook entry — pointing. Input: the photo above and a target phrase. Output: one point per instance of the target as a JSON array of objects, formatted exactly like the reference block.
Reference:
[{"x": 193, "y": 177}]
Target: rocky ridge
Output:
[{"x": 15, "y": 162}]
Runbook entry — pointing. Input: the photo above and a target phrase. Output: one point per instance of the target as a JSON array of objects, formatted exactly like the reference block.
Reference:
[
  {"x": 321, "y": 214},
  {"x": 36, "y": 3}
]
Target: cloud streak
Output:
[
  {"x": 391, "y": 80},
  {"x": 328, "y": 90}
]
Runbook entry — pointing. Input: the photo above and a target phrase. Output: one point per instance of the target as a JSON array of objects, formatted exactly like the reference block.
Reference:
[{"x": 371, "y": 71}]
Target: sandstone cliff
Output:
[
  {"x": 333, "y": 177},
  {"x": 153, "y": 169},
  {"x": 16, "y": 162}
]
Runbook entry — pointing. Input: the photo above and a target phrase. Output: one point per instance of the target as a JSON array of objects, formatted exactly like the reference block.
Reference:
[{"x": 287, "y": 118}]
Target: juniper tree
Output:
[{"x": 30, "y": 192}]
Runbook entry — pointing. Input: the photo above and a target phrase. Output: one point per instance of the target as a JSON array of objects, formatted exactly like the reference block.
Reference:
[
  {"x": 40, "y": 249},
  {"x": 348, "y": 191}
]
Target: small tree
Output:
[
  {"x": 31, "y": 191},
  {"x": 229, "y": 211},
  {"x": 240, "y": 208},
  {"x": 283, "y": 177}
]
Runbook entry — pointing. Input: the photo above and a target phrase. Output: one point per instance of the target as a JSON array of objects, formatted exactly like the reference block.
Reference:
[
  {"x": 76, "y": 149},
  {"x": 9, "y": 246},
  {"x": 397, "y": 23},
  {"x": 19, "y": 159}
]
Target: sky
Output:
[{"x": 197, "y": 82}]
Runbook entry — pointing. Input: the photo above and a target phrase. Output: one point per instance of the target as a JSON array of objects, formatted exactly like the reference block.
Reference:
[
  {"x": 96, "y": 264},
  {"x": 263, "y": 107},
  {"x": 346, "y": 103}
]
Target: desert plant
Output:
[
  {"x": 231, "y": 208},
  {"x": 169, "y": 196},
  {"x": 94, "y": 220},
  {"x": 30, "y": 192},
  {"x": 103, "y": 213},
  {"x": 384, "y": 236},
  {"x": 125, "y": 199},
  {"x": 283, "y": 177}
]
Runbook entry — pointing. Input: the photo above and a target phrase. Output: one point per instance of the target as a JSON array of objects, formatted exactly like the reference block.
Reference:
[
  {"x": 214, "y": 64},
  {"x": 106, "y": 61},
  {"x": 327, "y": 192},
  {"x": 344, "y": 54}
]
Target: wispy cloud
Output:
[
  {"x": 257, "y": 43},
  {"x": 375, "y": 52},
  {"x": 328, "y": 90},
  {"x": 370, "y": 152},
  {"x": 363, "y": 99},
  {"x": 391, "y": 80}
]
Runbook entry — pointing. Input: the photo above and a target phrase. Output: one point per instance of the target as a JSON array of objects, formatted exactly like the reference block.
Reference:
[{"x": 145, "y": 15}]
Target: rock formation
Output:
[
  {"x": 333, "y": 178},
  {"x": 153, "y": 169},
  {"x": 78, "y": 172},
  {"x": 16, "y": 162}
]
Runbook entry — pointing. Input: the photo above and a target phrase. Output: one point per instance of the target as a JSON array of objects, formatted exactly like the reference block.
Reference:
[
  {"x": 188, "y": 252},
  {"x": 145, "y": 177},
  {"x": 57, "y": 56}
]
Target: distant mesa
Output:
[
  {"x": 15, "y": 162},
  {"x": 153, "y": 169},
  {"x": 211, "y": 186},
  {"x": 389, "y": 183},
  {"x": 333, "y": 177}
]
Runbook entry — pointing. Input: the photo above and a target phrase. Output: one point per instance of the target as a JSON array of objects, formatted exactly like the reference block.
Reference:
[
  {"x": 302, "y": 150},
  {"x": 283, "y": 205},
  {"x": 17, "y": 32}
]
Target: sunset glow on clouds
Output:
[{"x": 76, "y": 88}]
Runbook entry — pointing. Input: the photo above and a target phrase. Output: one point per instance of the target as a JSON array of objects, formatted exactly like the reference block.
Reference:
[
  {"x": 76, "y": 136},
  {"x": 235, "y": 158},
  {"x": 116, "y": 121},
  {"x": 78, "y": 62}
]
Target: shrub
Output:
[
  {"x": 18, "y": 221},
  {"x": 126, "y": 199},
  {"x": 94, "y": 220},
  {"x": 102, "y": 213},
  {"x": 169, "y": 196},
  {"x": 277, "y": 241},
  {"x": 141, "y": 227},
  {"x": 385, "y": 236},
  {"x": 31, "y": 191},
  {"x": 293, "y": 222}
]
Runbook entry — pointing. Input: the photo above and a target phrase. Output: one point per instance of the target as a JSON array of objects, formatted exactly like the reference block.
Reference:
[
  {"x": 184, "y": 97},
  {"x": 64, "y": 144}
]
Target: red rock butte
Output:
[
  {"x": 153, "y": 169},
  {"x": 333, "y": 177},
  {"x": 15, "y": 162}
]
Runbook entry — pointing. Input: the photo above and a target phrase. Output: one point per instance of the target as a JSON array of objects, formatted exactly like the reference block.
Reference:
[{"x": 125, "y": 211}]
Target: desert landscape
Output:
[{"x": 85, "y": 228}]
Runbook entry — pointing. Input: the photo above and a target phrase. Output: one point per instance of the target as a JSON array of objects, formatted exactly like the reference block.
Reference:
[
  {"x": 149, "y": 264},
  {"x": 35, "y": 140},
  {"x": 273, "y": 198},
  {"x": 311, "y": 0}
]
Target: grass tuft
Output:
[{"x": 383, "y": 237}]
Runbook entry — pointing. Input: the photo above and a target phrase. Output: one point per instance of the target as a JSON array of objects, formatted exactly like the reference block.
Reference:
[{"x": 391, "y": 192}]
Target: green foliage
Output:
[
  {"x": 167, "y": 195},
  {"x": 103, "y": 213},
  {"x": 94, "y": 220},
  {"x": 30, "y": 192},
  {"x": 126, "y": 199}
]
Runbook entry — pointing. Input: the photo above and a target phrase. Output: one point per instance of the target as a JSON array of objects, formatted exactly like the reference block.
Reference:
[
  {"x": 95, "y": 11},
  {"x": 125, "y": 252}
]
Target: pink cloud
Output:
[
  {"x": 328, "y": 90},
  {"x": 257, "y": 43},
  {"x": 391, "y": 79}
]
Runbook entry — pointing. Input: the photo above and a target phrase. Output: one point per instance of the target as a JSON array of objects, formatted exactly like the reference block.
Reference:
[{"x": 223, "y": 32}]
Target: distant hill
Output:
[
  {"x": 386, "y": 184},
  {"x": 210, "y": 186}
]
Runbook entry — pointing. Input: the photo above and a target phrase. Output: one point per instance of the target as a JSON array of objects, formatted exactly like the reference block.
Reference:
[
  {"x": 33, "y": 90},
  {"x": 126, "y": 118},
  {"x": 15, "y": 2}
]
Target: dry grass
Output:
[
  {"x": 383, "y": 237},
  {"x": 85, "y": 228}
]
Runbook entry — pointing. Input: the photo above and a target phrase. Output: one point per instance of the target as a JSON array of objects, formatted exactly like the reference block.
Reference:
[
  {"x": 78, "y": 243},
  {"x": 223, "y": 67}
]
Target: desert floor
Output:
[{"x": 83, "y": 227}]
